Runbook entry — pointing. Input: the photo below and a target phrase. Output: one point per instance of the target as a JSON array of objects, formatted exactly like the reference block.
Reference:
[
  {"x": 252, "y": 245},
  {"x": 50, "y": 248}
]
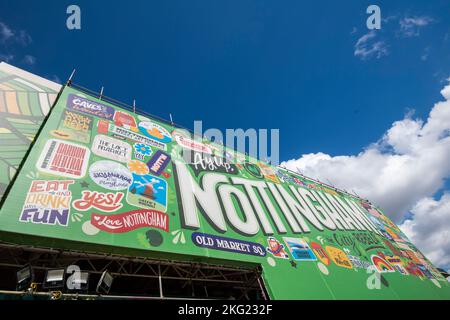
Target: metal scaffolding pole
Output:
[{"x": 187, "y": 274}]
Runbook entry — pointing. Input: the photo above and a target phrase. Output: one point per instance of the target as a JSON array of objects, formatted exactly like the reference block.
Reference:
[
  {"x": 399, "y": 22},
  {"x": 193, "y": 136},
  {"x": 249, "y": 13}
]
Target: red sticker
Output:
[{"x": 128, "y": 221}]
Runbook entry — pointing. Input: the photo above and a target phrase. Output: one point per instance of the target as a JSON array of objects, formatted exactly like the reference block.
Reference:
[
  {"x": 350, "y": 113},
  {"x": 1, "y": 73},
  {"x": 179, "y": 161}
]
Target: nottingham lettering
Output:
[
  {"x": 215, "y": 195},
  {"x": 145, "y": 218}
]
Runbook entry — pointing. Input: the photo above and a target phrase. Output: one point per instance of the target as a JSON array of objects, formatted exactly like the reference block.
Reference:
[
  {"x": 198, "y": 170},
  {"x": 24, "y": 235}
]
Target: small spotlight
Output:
[
  {"x": 105, "y": 283},
  {"x": 54, "y": 279},
  {"x": 78, "y": 283},
  {"x": 25, "y": 277}
]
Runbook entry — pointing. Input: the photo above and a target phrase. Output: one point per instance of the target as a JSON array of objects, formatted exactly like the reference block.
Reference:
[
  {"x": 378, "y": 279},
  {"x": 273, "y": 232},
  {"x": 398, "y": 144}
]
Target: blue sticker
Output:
[
  {"x": 299, "y": 249},
  {"x": 158, "y": 162},
  {"x": 86, "y": 106}
]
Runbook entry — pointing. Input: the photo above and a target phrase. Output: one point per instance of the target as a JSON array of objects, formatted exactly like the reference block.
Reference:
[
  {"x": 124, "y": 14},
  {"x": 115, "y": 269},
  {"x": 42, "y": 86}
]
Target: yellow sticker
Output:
[{"x": 339, "y": 257}]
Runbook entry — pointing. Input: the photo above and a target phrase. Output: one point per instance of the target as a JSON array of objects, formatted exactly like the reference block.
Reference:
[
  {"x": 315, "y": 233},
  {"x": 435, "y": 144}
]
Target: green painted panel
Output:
[{"x": 101, "y": 177}]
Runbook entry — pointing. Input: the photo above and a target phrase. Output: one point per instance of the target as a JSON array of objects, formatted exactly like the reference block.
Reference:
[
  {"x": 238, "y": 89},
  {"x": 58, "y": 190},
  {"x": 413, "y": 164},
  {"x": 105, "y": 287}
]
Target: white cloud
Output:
[
  {"x": 23, "y": 38},
  {"x": 8, "y": 34},
  {"x": 376, "y": 44},
  {"x": 5, "y": 32},
  {"x": 368, "y": 47},
  {"x": 410, "y": 162},
  {"x": 10, "y": 39},
  {"x": 446, "y": 91},
  {"x": 400, "y": 173},
  {"x": 429, "y": 229},
  {"x": 28, "y": 59},
  {"x": 425, "y": 54},
  {"x": 410, "y": 26}
]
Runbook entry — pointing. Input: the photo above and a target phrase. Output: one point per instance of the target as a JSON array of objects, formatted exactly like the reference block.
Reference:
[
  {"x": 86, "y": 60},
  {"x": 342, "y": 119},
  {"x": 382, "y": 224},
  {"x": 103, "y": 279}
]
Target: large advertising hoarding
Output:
[
  {"x": 101, "y": 175},
  {"x": 25, "y": 100}
]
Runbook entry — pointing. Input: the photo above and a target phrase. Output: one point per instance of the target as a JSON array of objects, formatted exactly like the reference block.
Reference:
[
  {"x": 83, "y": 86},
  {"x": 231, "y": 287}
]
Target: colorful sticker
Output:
[
  {"x": 148, "y": 191},
  {"x": 111, "y": 148},
  {"x": 138, "y": 167},
  {"x": 283, "y": 176},
  {"x": 192, "y": 144},
  {"x": 141, "y": 151},
  {"x": 339, "y": 257},
  {"x": 330, "y": 191},
  {"x": 60, "y": 134},
  {"x": 320, "y": 253},
  {"x": 86, "y": 106},
  {"x": 74, "y": 126},
  {"x": 253, "y": 169},
  {"x": 110, "y": 175},
  {"x": 268, "y": 173},
  {"x": 276, "y": 248},
  {"x": 103, "y": 127},
  {"x": 414, "y": 270},
  {"x": 158, "y": 162},
  {"x": 425, "y": 271},
  {"x": 47, "y": 202},
  {"x": 288, "y": 178},
  {"x": 387, "y": 235},
  {"x": 391, "y": 247},
  {"x": 155, "y": 131},
  {"x": 359, "y": 263},
  {"x": 299, "y": 249},
  {"x": 131, "y": 135},
  {"x": 393, "y": 235},
  {"x": 123, "y": 119},
  {"x": 381, "y": 264},
  {"x": 64, "y": 159},
  {"x": 412, "y": 256},
  {"x": 397, "y": 263}
]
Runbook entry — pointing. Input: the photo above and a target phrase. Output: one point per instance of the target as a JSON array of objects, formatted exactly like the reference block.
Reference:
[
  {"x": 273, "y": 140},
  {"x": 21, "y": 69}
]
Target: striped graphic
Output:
[{"x": 25, "y": 100}]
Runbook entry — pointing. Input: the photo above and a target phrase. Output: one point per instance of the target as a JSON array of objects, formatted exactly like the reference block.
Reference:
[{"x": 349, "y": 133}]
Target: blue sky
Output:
[
  {"x": 246, "y": 64},
  {"x": 311, "y": 69}
]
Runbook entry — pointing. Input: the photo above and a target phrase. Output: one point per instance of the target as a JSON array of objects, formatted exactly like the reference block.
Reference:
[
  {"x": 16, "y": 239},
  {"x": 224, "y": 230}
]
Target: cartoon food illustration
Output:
[
  {"x": 60, "y": 134},
  {"x": 156, "y": 133}
]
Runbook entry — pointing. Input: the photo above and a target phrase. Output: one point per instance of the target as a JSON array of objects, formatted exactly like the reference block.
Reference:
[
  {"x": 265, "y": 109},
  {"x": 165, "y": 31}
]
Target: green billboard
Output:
[{"x": 101, "y": 178}]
